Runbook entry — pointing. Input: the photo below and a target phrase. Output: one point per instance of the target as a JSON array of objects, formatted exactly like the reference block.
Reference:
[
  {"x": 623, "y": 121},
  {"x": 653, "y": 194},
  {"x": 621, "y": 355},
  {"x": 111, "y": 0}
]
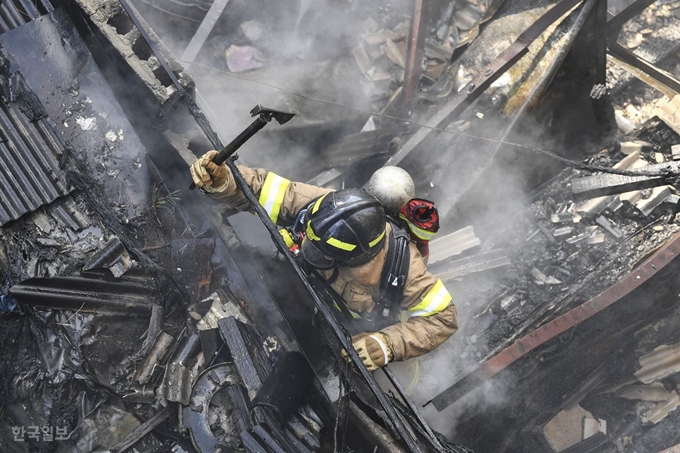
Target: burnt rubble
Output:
[{"x": 136, "y": 315}]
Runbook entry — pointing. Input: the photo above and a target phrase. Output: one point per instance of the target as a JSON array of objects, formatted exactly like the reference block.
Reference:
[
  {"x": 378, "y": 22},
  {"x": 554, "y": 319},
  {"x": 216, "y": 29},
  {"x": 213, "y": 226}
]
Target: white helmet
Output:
[{"x": 393, "y": 186}]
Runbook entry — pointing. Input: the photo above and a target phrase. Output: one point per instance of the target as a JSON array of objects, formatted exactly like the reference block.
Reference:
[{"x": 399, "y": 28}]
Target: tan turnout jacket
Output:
[{"x": 429, "y": 316}]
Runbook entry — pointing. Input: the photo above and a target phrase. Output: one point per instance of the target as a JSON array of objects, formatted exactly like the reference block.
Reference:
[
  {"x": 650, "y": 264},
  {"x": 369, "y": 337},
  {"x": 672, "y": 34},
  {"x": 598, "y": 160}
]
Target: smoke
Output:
[
  {"x": 303, "y": 51},
  {"x": 301, "y": 54}
]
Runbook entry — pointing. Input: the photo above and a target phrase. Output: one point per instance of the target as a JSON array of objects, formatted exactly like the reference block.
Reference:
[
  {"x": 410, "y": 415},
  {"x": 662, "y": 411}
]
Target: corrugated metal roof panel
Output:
[
  {"x": 659, "y": 364},
  {"x": 29, "y": 168},
  {"x": 14, "y": 13}
]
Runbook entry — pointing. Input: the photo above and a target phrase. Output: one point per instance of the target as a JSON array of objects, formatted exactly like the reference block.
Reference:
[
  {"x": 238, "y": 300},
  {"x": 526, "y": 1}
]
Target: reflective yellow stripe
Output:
[
  {"x": 425, "y": 235},
  {"x": 272, "y": 193},
  {"x": 287, "y": 238},
  {"x": 310, "y": 232},
  {"x": 341, "y": 245},
  {"x": 376, "y": 240},
  {"x": 317, "y": 204},
  {"x": 436, "y": 300}
]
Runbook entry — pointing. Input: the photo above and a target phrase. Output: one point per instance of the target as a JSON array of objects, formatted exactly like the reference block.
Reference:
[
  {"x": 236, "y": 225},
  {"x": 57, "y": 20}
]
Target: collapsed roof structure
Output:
[{"x": 142, "y": 317}]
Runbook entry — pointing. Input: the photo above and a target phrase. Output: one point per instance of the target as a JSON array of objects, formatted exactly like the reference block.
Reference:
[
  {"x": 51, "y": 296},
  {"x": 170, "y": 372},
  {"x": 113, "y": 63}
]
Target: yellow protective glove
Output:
[
  {"x": 208, "y": 174},
  {"x": 374, "y": 349}
]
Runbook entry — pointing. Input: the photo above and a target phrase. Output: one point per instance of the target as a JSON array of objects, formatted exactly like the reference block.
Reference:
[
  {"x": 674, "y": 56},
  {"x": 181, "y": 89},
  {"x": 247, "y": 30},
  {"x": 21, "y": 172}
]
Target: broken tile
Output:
[
  {"x": 658, "y": 195},
  {"x": 675, "y": 151},
  {"x": 369, "y": 25},
  {"x": 654, "y": 392},
  {"x": 564, "y": 231},
  {"x": 595, "y": 206},
  {"x": 510, "y": 303},
  {"x": 434, "y": 69},
  {"x": 453, "y": 244},
  {"x": 578, "y": 238},
  {"x": 396, "y": 34},
  {"x": 596, "y": 237},
  {"x": 154, "y": 358},
  {"x": 590, "y": 427},
  {"x": 42, "y": 221},
  {"x": 659, "y": 364},
  {"x": 113, "y": 257},
  {"x": 566, "y": 428},
  {"x": 541, "y": 279},
  {"x": 362, "y": 59},
  {"x": 394, "y": 53},
  {"x": 442, "y": 52},
  {"x": 609, "y": 226},
  {"x": 669, "y": 112},
  {"x": 661, "y": 410},
  {"x": 562, "y": 218},
  {"x": 492, "y": 259},
  {"x": 615, "y": 204},
  {"x": 635, "y": 146},
  {"x": 673, "y": 199}
]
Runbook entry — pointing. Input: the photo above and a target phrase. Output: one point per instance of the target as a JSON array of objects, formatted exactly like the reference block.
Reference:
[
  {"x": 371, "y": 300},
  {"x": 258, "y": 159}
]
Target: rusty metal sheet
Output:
[{"x": 649, "y": 268}]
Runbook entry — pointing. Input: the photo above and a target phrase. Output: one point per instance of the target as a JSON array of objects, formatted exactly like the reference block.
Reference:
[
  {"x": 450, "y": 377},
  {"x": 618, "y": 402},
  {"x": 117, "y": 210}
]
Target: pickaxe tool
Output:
[{"x": 264, "y": 115}]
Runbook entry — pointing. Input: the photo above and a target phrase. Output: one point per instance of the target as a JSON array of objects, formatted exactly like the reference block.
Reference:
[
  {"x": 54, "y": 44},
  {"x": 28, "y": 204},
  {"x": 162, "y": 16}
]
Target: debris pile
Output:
[{"x": 573, "y": 253}]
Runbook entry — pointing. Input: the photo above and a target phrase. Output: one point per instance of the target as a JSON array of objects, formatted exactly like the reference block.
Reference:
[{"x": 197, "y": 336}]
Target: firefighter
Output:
[
  {"x": 393, "y": 186},
  {"x": 348, "y": 239},
  {"x": 395, "y": 189}
]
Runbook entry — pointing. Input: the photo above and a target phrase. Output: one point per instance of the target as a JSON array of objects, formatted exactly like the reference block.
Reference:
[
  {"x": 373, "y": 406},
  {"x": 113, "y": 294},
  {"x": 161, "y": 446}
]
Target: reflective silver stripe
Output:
[{"x": 272, "y": 193}]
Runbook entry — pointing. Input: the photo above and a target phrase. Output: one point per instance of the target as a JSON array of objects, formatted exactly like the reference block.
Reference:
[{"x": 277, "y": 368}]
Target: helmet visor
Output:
[{"x": 314, "y": 257}]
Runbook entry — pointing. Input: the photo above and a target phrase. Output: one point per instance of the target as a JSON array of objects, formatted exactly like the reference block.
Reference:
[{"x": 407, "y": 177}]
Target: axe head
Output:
[{"x": 268, "y": 114}]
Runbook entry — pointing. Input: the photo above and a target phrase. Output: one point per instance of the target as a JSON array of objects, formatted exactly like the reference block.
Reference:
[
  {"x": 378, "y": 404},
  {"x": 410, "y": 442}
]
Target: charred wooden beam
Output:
[
  {"x": 303, "y": 433},
  {"x": 239, "y": 400},
  {"x": 250, "y": 360},
  {"x": 611, "y": 184}
]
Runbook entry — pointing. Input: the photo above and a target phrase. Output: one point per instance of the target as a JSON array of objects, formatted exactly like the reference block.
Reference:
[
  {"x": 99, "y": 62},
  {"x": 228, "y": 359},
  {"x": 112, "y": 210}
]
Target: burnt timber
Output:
[{"x": 109, "y": 47}]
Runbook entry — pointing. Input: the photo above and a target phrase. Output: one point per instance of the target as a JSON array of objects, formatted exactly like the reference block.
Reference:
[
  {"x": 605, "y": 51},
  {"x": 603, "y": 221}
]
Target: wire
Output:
[{"x": 577, "y": 165}]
